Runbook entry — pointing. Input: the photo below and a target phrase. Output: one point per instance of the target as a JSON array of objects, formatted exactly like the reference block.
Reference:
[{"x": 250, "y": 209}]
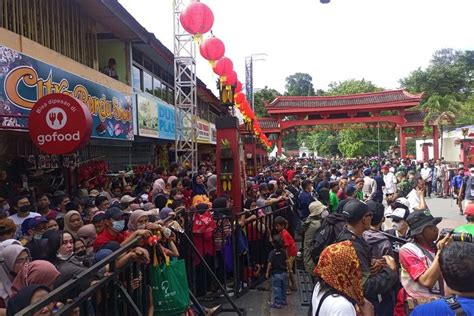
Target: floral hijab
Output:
[{"x": 340, "y": 268}]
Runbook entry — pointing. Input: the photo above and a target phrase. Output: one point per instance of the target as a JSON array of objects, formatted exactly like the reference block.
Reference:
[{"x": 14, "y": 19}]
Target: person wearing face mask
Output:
[
  {"x": 14, "y": 258},
  {"x": 113, "y": 231},
  {"x": 399, "y": 217},
  {"x": 317, "y": 212},
  {"x": 32, "y": 230},
  {"x": 80, "y": 252},
  {"x": 23, "y": 210}
]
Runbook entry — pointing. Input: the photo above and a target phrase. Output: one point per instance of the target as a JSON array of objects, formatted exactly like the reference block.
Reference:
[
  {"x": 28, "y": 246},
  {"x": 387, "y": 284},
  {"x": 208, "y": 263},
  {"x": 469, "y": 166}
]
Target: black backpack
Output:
[{"x": 327, "y": 234}]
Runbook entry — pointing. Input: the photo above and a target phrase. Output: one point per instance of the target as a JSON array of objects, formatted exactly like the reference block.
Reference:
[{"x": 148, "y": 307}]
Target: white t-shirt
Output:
[
  {"x": 413, "y": 199},
  {"x": 19, "y": 220},
  {"x": 333, "y": 305}
]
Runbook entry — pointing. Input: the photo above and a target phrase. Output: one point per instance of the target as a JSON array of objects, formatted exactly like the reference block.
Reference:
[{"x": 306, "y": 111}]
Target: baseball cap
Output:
[
  {"x": 399, "y": 213},
  {"x": 384, "y": 167},
  {"x": 417, "y": 221},
  {"x": 469, "y": 211},
  {"x": 350, "y": 189},
  {"x": 367, "y": 171},
  {"x": 114, "y": 213},
  {"x": 32, "y": 223},
  {"x": 127, "y": 199},
  {"x": 354, "y": 210}
]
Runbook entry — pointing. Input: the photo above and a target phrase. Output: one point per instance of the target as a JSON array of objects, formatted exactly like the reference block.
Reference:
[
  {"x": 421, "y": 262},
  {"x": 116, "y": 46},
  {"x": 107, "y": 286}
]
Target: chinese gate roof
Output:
[{"x": 395, "y": 98}]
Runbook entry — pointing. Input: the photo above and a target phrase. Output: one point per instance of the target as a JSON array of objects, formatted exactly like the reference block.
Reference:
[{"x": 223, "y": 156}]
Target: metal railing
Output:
[{"x": 240, "y": 245}]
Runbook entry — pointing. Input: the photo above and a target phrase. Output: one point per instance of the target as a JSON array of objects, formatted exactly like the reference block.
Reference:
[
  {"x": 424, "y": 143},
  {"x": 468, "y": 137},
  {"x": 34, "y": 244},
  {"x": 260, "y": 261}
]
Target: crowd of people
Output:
[{"x": 368, "y": 239}]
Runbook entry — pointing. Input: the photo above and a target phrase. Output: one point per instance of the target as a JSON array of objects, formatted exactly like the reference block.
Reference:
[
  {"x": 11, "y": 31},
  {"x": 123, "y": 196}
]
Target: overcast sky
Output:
[{"x": 379, "y": 40}]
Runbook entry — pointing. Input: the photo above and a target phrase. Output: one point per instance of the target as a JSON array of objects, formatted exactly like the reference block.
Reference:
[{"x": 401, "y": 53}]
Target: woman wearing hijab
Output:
[
  {"x": 72, "y": 222},
  {"x": 39, "y": 272},
  {"x": 198, "y": 186},
  {"x": 28, "y": 296},
  {"x": 339, "y": 289},
  {"x": 139, "y": 220},
  {"x": 14, "y": 258},
  {"x": 212, "y": 183},
  {"x": 88, "y": 234}
]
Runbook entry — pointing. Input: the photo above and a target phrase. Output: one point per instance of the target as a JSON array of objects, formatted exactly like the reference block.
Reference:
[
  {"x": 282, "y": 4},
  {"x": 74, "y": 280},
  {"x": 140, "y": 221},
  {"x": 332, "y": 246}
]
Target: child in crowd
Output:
[
  {"x": 277, "y": 268},
  {"x": 289, "y": 244}
]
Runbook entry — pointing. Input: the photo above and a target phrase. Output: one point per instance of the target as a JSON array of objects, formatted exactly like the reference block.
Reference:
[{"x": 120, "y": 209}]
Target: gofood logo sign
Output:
[{"x": 60, "y": 124}]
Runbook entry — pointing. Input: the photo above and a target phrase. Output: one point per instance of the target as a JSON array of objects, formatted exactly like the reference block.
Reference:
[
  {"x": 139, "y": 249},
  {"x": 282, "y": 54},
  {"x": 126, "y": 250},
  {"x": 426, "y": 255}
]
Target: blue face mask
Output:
[{"x": 118, "y": 226}]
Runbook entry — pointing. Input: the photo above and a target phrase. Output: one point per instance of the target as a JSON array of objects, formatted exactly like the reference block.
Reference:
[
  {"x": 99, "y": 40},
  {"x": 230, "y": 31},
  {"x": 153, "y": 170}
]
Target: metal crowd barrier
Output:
[{"x": 235, "y": 262}]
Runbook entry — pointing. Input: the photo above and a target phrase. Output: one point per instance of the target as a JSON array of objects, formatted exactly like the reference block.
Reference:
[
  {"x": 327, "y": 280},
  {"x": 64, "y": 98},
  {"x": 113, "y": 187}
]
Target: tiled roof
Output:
[
  {"x": 393, "y": 96},
  {"x": 267, "y": 123}
]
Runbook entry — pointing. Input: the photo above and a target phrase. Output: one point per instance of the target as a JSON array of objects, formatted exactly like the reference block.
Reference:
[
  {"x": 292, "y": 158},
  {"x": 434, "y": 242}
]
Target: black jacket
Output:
[{"x": 380, "y": 283}]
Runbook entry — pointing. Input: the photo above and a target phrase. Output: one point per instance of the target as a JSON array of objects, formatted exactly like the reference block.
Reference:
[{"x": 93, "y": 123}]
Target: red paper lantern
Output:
[
  {"x": 224, "y": 66},
  {"x": 212, "y": 49},
  {"x": 238, "y": 87},
  {"x": 231, "y": 78},
  {"x": 239, "y": 97},
  {"x": 197, "y": 18}
]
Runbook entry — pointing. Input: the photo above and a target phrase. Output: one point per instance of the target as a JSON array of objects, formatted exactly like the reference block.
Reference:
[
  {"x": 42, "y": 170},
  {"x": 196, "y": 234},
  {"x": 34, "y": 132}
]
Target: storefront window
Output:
[
  {"x": 158, "y": 88},
  {"x": 147, "y": 82},
  {"x": 136, "y": 78}
]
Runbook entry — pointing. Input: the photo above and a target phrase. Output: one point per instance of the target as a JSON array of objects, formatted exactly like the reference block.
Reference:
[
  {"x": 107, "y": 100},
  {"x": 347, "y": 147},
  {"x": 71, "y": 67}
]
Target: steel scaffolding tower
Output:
[
  {"x": 249, "y": 80},
  {"x": 185, "y": 92}
]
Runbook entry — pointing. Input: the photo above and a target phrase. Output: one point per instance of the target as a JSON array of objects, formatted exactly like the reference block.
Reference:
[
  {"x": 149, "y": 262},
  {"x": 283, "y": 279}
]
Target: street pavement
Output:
[{"x": 256, "y": 301}]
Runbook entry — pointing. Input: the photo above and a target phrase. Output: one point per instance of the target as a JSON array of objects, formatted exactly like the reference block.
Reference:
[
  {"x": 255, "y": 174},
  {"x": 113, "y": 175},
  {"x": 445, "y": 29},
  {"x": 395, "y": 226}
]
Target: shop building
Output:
[{"x": 66, "y": 47}]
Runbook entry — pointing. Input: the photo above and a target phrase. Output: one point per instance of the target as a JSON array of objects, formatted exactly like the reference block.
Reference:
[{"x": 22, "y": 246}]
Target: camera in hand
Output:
[{"x": 464, "y": 237}]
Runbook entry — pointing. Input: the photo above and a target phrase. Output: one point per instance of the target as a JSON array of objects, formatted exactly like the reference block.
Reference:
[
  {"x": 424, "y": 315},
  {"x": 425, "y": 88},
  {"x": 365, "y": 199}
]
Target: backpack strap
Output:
[
  {"x": 321, "y": 301},
  {"x": 454, "y": 304}
]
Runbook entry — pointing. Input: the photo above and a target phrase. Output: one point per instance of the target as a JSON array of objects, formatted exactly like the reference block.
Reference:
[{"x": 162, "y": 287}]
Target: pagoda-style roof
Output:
[
  {"x": 383, "y": 99},
  {"x": 268, "y": 122}
]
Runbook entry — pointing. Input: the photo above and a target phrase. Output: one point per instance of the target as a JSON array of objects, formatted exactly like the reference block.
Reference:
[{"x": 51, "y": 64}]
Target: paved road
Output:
[
  {"x": 255, "y": 302},
  {"x": 448, "y": 210}
]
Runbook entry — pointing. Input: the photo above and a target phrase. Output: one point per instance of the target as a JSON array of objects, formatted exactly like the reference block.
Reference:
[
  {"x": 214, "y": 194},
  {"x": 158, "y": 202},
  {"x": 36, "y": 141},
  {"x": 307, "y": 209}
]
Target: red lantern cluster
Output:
[
  {"x": 94, "y": 172},
  {"x": 197, "y": 19}
]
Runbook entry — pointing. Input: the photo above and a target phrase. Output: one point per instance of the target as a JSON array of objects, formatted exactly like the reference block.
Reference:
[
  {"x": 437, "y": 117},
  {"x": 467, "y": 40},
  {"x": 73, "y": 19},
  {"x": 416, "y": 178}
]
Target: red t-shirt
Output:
[
  {"x": 291, "y": 174},
  {"x": 289, "y": 243},
  {"x": 105, "y": 236}
]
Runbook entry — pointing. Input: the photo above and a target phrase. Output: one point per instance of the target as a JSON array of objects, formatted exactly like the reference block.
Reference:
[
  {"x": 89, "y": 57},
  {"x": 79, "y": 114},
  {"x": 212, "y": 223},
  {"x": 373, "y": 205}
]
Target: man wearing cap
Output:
[
  {"x": 114, "y": 227},
  {"x": 389, "y": 180},
  {"x": 317, "y": 212},
  {"x": 419, "y": 260},
  {"x": 32, "y": 230},
  {"x": 399, "y": 217},
  {"x": 378, "y": 276},
  {"x": 125, "y": 202},
  {"x": 370, "y": 186},
  {"x": 469, "y": 227}
]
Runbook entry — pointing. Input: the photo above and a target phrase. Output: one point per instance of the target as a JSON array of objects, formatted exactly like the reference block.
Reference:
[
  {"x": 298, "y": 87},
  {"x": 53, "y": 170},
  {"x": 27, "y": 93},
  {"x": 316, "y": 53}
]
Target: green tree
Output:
[
  {"x": 299, "y": 84},
  {"x": 352, "y": 86},
  {"x": 349, "y": 142},
  {"x": 260, "y": 97}
]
